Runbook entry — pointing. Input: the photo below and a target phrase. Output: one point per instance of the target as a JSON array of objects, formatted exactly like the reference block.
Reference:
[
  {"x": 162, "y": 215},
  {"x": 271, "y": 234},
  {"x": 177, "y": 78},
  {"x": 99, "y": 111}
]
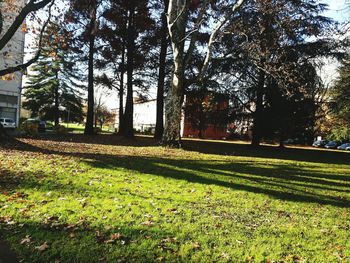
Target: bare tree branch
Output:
[
  {"x": 195, "y": 32},
  {"x": 213, "y": 37},
  {"x": 37, "y": 55},
  {"x": 30, "y": 7}
]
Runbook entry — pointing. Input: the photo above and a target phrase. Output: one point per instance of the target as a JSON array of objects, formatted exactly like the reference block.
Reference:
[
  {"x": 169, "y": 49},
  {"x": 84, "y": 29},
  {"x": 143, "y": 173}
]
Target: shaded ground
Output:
[
  {"x": 107, "y": 199},
  {"x": 6, "y": 253}
]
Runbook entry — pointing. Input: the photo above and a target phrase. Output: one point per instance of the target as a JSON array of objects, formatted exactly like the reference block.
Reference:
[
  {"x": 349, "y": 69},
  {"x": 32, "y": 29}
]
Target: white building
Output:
[
  {"x": 145, "y": 115},
  {"x": 12, "y": 54}
]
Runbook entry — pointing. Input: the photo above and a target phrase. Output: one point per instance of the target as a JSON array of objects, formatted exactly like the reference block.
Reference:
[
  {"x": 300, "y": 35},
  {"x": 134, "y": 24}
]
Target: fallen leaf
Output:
[
  {"x": 196, "y": 245},
  {"x": 43, "y": 247},
  {"x": 147, "y": 223},
  {"x": 26, "y": 240},
  {"x": 225, "y": 255},
  {"x": 160, "y": 259},
  {"x": 113, "y": 238},
  {"x": 173, "y": 210}
]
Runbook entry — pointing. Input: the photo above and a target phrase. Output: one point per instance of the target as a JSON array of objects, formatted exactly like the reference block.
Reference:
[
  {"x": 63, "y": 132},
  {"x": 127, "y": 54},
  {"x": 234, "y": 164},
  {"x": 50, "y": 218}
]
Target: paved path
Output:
[{"x": 6, "y": 254}]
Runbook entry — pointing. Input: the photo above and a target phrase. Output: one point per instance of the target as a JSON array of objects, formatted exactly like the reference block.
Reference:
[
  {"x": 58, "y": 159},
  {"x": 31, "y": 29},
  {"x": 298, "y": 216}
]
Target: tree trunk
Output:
[
  {"x": 57, "y": 109},
  {"x": 121, "y": 93},
  {"x": 281, "y": 139},
  {"x": 171, "y": 135},
  {"x": 258, "y": 114},
  {"x": 89, "y": 127},
  {"x": 177, "y": 19},
  {"x": 95, "y": 119},
  {"x": 202, "y": 123},
  {"x": 161, "y": 78},
  {"x": 129, "y": 108}
]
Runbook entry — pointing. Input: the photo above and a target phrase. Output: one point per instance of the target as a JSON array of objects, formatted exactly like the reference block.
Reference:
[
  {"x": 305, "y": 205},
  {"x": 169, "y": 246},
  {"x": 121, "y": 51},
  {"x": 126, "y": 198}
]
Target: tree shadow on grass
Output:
[
  {"x": 210, "y": 147},
  {"x": 281, "y": 181},
  {"x": 100, "y": 139},
  {"x": 272, "y": 152},
  {"x": 83, "y": 242},
  {"x": 311, "y": 187}
]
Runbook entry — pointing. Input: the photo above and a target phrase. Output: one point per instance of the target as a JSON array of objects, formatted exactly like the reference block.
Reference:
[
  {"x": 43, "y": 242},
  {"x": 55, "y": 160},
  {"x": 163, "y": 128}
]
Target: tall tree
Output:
[
  {"x": 130, "y": 47},
  {"x": 162, "y": 73},
  {"x": 268, "y": 45},
  {"x": 83, "y": 23},
  {"x": 180, "y": 13},
  {"x": 128, "y": 31},
  {"x": 112, "y": 57},
  {"x": 52, "y": 82},
  {"x": 341, "y": 103}
]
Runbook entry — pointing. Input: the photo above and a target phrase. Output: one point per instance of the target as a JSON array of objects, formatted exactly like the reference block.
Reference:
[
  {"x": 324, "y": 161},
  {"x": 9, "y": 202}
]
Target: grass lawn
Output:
[
  {"x": 104, "y": 199},
  {"x": 79, "y": 128}
]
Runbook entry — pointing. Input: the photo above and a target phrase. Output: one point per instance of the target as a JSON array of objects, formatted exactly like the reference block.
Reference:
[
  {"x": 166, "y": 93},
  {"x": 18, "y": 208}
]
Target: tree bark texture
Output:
[
  {"x": 57, "y": 106},
  {"x": 177, "y": 19},
  {"x": 121, "y": 93},
  {"x": 161, "y": 78},
  {"x": 258, "y": 114},
  {"x": 129, "y": 108},
  {"x": 89, "y": 127}
]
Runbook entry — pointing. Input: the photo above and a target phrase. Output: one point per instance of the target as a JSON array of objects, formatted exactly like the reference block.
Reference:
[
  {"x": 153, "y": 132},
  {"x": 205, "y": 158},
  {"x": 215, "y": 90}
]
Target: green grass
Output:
[
  {"x": 104, "y": 199},
  {"x": 76, "y": 128},
  {"x": 79, "y": 128}
]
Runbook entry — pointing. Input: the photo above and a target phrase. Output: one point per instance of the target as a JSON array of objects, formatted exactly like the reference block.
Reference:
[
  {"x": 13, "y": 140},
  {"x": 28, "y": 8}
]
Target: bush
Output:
[
  {"x": 340, "y": 134},
  {"x": 60, "y": 129},
  {"x": 30, "y": 128},
  {"x": 149, "y": 131}
]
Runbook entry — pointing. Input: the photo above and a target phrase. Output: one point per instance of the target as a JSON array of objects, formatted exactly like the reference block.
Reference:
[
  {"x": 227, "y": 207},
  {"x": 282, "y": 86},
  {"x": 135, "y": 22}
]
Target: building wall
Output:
[
  {"x": 212, "y": 130},
  {"x": 12, "y": 54},
  {"x": 145, "y": 120},
  {"x": 144, "y": 115}
]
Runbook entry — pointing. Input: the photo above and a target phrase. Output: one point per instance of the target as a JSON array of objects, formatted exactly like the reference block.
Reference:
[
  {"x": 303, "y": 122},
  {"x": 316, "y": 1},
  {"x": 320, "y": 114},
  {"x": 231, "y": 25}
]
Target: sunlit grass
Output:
[
  {"x": 104, "y": 199},
  {"x": 79, "y": 128}
]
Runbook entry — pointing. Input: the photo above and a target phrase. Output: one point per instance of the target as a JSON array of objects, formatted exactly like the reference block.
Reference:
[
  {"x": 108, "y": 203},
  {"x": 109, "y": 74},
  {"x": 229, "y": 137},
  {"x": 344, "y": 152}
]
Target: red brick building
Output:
[{"x": 205, "y": 116}]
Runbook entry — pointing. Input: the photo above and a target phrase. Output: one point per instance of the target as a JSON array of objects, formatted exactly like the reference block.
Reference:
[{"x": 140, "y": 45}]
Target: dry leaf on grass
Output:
[
  {"x": 26, "y": 240},
  {"x": 196, "y": 245},
  {"x": 147, "y": 223},
  {"x": 43, "y": 247},
  {"x": 113, "y": 238}
]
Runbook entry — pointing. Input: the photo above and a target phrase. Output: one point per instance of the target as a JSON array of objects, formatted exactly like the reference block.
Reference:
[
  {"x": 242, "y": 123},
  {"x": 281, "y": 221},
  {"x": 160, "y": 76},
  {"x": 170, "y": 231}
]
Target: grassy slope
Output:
[{"x": 234, "y": 204}]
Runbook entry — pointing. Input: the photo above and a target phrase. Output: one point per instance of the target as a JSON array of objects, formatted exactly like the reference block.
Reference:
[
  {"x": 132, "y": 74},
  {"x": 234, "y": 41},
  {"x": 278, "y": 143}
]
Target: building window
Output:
[
  {"x": 8, "y": 113},
  {"x": 8, "y": 99}
]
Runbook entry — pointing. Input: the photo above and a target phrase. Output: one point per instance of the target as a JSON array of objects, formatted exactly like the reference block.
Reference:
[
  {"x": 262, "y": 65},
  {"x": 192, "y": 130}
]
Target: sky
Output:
[{"x": 337, "y": 10}]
